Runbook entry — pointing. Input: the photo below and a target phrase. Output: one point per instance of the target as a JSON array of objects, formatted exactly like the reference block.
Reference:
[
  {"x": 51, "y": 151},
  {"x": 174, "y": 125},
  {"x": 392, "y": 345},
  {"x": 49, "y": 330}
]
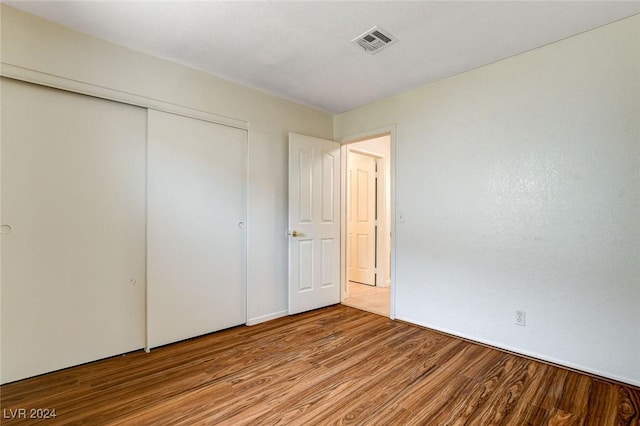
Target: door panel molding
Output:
[
  {"x": 362, "y": 207},
  {"x": 314, "y": 230}
]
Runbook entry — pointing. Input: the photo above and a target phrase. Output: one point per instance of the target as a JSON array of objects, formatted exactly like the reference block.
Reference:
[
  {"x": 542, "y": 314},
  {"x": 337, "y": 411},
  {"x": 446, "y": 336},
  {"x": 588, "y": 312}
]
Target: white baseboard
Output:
[
  {"x": 528, "y": 354},
  {"x": 385, "y": 283},
  {"x": 265, "y": 318}
]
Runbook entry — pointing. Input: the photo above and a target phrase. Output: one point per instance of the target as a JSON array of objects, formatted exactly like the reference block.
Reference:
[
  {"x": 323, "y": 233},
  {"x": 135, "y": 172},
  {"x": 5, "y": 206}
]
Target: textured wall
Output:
[{"x": 520, "y": 186}]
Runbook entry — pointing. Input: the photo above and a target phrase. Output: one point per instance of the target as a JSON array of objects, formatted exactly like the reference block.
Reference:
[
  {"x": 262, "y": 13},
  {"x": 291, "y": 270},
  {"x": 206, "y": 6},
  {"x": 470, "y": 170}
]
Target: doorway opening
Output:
[{"x": 366, "y": 200}]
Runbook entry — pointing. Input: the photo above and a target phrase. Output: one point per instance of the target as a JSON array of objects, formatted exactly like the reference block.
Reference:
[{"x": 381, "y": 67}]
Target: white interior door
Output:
[
  {"x": 73, "y": 247},
  {"x": 314, "y": 223},
  {"x": 361, "y": 226},
  {"x": 196, "y": 210}
]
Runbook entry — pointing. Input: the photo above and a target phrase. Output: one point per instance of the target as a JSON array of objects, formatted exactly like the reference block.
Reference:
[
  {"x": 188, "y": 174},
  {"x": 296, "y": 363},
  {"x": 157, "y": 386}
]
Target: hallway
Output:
[{"x": 368, "y": 298}]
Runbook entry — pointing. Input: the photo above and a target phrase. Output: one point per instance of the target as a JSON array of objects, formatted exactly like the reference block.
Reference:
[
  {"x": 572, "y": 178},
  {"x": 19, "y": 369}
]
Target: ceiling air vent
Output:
[{"x": 374, "y": 40}]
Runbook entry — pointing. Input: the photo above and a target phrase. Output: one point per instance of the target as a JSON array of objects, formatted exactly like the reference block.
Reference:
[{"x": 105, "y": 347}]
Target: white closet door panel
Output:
[
  {"x": 73, "y": 265},
  {"x": 195, "y": 227}
]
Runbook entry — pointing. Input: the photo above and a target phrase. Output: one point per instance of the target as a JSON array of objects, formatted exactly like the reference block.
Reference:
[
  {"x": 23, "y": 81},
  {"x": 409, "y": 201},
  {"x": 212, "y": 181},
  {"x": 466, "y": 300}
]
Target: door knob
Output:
[
  {"x": 295, "y": 234},
  {"x": 5, "y": 229}
]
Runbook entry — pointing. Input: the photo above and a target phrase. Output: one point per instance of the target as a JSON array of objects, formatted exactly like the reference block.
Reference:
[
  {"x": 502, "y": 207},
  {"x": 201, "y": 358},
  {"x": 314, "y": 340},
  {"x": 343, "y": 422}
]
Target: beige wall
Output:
[
  {"x": 36, "y": 44},
  {"x": 519, "y": 183}
]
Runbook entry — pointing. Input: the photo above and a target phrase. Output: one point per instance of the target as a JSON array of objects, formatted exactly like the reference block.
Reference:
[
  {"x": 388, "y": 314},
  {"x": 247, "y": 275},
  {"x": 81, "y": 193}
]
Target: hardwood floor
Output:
[
  {"x": 368, "y": 298},
  {"x": 336, "y": 365}
]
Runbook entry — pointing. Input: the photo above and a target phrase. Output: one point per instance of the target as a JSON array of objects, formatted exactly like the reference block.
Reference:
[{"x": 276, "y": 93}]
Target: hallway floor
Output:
[{"x": 368, "y": 298}]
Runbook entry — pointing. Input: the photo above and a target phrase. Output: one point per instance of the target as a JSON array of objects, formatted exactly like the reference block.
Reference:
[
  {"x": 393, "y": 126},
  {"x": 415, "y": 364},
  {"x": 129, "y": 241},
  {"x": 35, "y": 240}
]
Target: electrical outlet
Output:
[{"x": 521, "y": 318}]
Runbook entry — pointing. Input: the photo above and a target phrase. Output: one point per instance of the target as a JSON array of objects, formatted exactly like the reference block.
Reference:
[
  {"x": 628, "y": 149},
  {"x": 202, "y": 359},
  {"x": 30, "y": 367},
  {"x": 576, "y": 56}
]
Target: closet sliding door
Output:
[
  {"x": 73, "y": 229},
  {"x": 196, "y": 209}
]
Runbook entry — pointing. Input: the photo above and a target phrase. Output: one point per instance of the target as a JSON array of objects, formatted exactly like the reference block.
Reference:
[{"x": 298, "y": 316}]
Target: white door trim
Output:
[
  {"x": 370, "y": 134},
  {"x": 43, "y": 79}
]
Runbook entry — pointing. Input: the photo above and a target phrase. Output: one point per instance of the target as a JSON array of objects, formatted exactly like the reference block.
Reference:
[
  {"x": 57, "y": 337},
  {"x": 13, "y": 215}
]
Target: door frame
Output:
[{"x": 389, "y": 130}]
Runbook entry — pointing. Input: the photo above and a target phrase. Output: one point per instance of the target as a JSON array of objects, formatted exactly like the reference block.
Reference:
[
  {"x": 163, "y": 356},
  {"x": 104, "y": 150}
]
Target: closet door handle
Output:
[{"x": 5, "y": 229}]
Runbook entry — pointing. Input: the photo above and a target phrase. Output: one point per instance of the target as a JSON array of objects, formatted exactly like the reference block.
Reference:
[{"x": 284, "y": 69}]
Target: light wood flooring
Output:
[
  {"x": 337, "y": 365},
  {"x": 368, "y": 298}
]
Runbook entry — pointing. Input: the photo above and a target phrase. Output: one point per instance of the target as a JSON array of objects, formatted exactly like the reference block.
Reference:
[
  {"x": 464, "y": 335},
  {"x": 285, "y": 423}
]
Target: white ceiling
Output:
[{"x": 301, "y": 50}]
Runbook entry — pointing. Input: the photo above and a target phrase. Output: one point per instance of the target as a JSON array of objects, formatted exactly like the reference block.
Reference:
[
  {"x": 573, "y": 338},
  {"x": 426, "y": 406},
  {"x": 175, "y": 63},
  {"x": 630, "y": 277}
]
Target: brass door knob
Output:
[{"x": 295, "y": 234}]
